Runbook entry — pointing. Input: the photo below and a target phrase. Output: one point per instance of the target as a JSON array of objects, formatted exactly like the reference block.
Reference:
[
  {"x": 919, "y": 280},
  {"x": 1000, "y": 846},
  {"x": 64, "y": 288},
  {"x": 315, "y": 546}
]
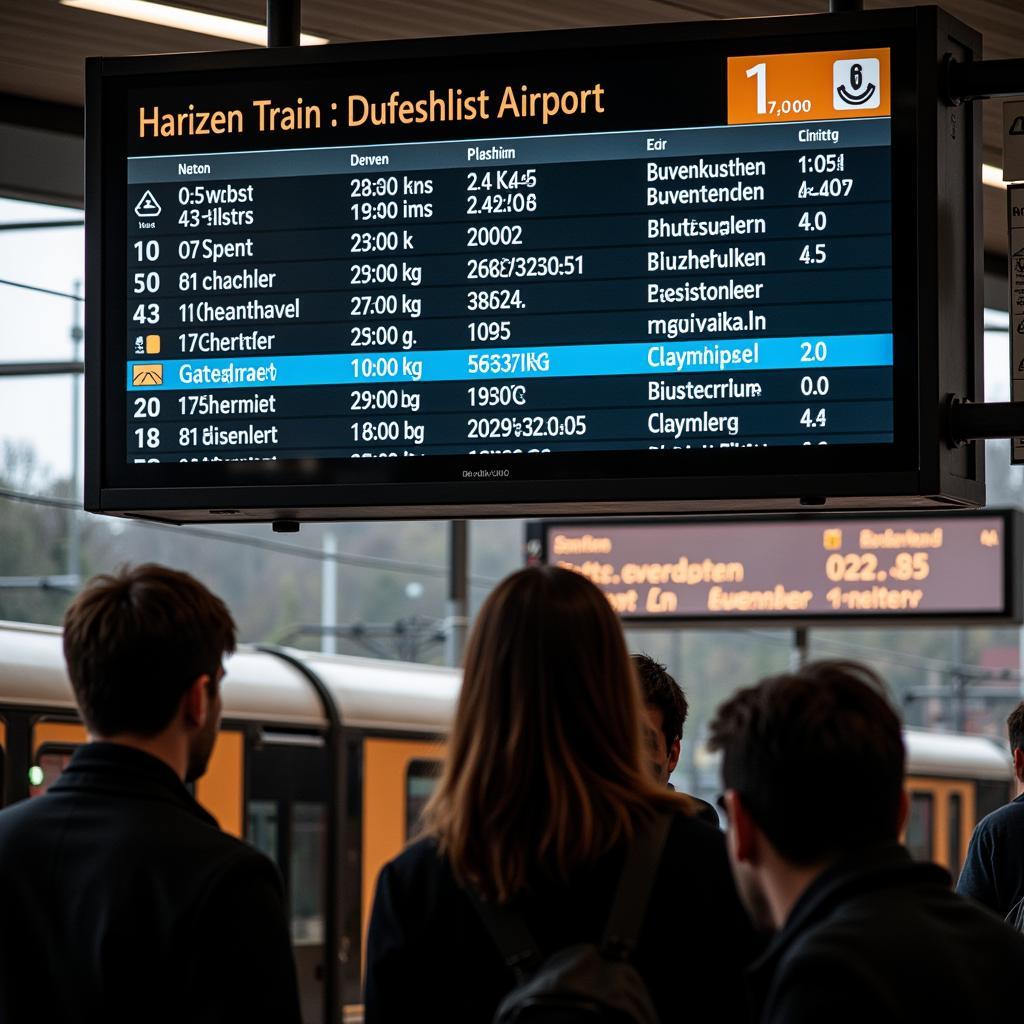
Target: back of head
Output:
[
  {"x": 660, "y": 690},
  {"x": 136, "y": 640},
  {"x": 545, "y": 769},
  {"x": 817, "y": 758},
  {"x": 1015, "y": 728}
]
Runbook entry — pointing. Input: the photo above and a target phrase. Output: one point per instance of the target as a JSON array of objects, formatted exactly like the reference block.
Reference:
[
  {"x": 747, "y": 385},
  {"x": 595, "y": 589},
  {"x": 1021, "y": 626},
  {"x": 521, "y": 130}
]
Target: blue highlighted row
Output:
[{"x": 618, "y": 360}]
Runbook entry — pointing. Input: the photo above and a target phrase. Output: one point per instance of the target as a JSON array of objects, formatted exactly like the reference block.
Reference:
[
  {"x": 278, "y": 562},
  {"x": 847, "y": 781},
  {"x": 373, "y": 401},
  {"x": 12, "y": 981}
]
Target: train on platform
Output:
[{"x": 324, "y": 762}]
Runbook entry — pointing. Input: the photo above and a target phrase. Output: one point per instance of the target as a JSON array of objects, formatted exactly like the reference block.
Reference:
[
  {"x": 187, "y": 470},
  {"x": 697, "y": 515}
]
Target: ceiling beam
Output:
[{"x": 44, "y": 115}]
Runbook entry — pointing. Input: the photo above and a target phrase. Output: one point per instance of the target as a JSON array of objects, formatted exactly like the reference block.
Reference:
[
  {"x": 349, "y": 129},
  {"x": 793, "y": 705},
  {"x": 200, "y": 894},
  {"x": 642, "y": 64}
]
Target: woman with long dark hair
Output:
[{"x": 545, "y": 788}]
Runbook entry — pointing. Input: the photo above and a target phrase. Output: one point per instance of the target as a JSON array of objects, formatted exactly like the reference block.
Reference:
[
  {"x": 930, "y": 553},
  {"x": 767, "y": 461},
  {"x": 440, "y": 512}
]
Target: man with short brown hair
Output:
[
  {"x": 993, "y": 872},
  {"x": 812, "y": 765},
  {"x": 120, "y": 898},
  {"x": 666, "y": 709}
]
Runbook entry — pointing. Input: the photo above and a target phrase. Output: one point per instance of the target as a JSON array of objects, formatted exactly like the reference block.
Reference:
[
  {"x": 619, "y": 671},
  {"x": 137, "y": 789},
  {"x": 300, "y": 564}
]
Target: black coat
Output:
[
  {"x": 121, "y": 900},
  {"x": 427, "y": 947},
  {"x": 880, "y": 939}
]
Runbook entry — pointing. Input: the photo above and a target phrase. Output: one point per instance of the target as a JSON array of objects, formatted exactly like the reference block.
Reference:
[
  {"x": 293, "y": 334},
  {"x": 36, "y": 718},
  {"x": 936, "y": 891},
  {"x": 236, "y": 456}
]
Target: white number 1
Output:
[{"x": 760, "y": 72}]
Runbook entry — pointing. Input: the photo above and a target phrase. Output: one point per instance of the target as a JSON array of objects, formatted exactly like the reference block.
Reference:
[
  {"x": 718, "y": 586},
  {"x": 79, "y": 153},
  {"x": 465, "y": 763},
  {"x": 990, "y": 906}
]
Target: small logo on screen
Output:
[
  {"x": 147, "y": 375},
  {"x": 147, "y": 206},
  {"x": 147, "y": 344},
  {"x": 832, "y": 540},
  {"x": 856, "y": 84}
]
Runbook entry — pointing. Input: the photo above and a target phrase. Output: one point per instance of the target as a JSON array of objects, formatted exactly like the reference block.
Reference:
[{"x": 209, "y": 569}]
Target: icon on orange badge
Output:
[
  {"x": 857, "y": 84},
  {"x": 147, "y": 375},
  {"x": 832, "y": 540}
]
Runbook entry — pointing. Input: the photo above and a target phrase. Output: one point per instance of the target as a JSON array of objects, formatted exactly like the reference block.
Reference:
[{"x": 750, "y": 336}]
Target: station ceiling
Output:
[{"x": 43, "y": 44}]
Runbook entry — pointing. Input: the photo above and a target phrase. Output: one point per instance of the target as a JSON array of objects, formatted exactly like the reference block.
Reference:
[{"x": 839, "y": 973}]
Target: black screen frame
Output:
[
  {"x": 1010, "y": 614},
  {"x": 901, "y": 475}
]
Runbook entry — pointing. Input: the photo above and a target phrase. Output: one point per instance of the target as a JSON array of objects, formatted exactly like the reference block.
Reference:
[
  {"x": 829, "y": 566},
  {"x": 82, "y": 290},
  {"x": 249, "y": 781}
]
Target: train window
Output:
[
  {"x": 49, "y": 766},
  {"x": 261, "y": 827},
  {"x": 420, "y": 782},
  {"x": 309, "y": 837},
  {"x": 956, "y": 815},
  {"x": 921, "y": 826}
]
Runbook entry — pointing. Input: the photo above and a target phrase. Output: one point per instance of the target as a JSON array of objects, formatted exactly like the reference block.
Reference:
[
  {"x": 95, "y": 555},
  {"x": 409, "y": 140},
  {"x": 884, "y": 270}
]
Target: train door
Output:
[
  {"x": 940, "y": 820},
  {"x": 286, "y": 817},
  {"x": 398, "y": 777}
]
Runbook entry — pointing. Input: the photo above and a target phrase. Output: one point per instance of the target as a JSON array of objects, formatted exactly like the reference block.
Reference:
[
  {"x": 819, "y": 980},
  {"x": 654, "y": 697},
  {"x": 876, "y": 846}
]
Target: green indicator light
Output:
[{"x": 35, "y": 775}]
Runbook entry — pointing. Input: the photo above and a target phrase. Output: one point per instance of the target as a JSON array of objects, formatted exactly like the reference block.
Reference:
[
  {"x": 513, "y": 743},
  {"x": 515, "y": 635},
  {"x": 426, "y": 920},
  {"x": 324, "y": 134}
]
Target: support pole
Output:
[
  {"x": 983, "y": 79},
  {"x": 284, "y": 19},
  {"x": 458, "y": 590},
  {"x": 74, "y": 563},
  {"x": 52, "y": 369},
  {"x": 959, "y": 680},
  {"x": 976, "y": 421},
  {"x": 798, "y": 652},
  {"x": 329, "y": 595}
]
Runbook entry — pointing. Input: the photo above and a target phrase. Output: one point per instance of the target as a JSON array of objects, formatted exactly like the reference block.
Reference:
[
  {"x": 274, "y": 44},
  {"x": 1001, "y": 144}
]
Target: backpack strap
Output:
[
  {"x": 629, "y": 906},
  {"x": 508, "y": 930}
]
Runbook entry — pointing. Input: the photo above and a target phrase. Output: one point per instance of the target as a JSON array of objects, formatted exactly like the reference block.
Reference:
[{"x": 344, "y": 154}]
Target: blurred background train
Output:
[{"x": 324, "y": 762}]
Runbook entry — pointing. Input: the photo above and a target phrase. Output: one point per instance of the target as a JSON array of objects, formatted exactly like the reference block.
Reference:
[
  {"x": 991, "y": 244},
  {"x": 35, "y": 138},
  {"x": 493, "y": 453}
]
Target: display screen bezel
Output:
[
  {"x": 1010, "y": 613},
  {"x": 265, "y": 490}
]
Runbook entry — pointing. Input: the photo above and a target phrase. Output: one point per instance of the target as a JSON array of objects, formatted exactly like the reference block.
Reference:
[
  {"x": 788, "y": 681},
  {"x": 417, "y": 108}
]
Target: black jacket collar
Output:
[
  {"x": 885, "y": 866},
  {"x": 119, "y": 770}
]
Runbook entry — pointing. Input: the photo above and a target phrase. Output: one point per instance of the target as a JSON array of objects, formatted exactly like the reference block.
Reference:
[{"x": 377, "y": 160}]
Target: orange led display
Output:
[{"x": 825, "y": 86}]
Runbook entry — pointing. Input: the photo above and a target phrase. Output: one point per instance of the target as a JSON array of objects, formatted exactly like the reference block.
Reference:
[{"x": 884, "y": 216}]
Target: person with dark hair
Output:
[
  {"x": 544, "y": 800},
  {"x": 121, "y": 898},
  {"x": 993, "y": 872},
  {"x": 812, "y": 764},
  {"x": 665, "y": 708}
]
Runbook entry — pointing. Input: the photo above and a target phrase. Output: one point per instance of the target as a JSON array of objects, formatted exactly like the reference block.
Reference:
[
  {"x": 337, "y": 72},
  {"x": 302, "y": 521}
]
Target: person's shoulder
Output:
[
  {"x": 229, "y": 854},
  {"x": 1009, "y": 816},
  {"x": 419, "y": 862},
  {"x": 694, "y": 832},
  {"x": 417, "y": 884},
  {"x": 18, "y": 820},
  {"x": 188, "y": 836},
  {"x": 694, "y": 858},
  {"x": 29, "y": 821}
]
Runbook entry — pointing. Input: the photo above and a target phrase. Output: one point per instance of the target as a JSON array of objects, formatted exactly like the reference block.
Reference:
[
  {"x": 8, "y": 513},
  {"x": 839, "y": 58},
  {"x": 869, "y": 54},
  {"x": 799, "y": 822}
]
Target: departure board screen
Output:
[
  {"x": 677, "y": 286},
  {"x": 796, "y": 570},
  {"x": 580, "y": 270}
]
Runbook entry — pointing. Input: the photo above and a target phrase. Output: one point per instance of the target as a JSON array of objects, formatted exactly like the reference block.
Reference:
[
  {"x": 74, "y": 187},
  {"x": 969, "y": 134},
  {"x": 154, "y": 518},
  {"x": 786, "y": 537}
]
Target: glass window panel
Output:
[
  {"x": 309, "y": 835},
  {"x": 261, "y": 826},
  {"x": 420, "y": 782},
  {"x": 36, "y": 326},
  {"x": 920, "y": 826}
]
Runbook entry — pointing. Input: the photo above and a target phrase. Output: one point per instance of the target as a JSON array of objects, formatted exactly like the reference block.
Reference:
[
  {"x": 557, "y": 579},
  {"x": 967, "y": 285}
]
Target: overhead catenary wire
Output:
[
  {"x": 40, "y": 225},
  {"x": 894, "y": 659},
  {"x": 277, "y": 547},
  {"x": 41, "y": 290}
]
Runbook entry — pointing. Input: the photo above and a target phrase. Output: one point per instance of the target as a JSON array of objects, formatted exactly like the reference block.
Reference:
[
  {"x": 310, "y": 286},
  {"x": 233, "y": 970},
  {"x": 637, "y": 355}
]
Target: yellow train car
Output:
[{"x": 325, "y": 762}]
